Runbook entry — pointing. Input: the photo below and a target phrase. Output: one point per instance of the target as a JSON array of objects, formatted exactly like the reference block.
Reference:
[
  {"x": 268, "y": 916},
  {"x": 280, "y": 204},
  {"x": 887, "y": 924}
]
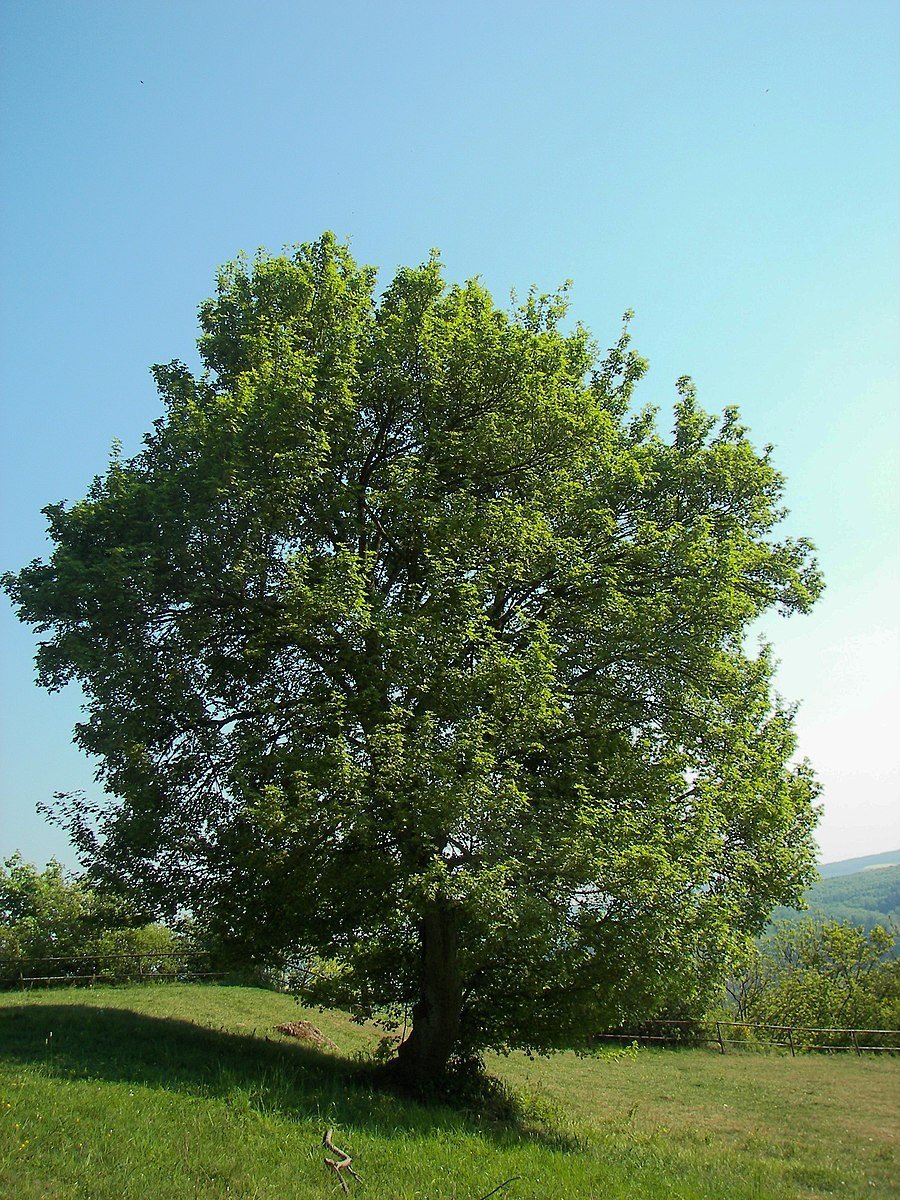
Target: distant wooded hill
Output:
[
  {"x": 849, "y": 866},
  {"x": 865, "y": 891}
]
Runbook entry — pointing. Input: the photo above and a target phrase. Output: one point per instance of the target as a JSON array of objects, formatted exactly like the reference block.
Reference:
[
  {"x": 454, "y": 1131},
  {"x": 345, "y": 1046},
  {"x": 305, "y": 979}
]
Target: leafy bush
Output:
[
  {"x": 53, "y": 923},
  {"x": 822, "y": 975}
]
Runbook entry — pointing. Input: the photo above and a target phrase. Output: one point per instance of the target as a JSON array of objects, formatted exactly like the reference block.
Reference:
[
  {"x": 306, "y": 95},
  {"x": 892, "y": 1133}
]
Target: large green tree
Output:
[{"x": 408, "y": 642}]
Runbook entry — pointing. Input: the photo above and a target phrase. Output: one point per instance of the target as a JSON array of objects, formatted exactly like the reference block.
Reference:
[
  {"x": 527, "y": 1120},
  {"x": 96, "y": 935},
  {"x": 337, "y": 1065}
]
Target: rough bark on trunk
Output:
[{"x": 422, "y": 1059}]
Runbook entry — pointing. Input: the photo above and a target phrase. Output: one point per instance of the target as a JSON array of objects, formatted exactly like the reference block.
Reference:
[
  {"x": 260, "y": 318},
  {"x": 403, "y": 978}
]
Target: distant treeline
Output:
[{"x": 867, "y": 898}]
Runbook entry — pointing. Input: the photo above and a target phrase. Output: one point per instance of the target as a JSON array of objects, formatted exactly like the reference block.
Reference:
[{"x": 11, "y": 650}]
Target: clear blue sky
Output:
[{"x": 728, "y": 170}]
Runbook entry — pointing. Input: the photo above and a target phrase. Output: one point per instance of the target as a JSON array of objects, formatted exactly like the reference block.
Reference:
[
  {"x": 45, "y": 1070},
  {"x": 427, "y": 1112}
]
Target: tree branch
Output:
[{"x": 342, "y": 1165}]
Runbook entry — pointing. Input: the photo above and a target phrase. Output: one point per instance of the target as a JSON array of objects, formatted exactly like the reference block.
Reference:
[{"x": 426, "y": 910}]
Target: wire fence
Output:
[
  {"x": 750, "y": 1035},
  {"x": 194, "y": 965},
  {"x": 128, "y": 967}
]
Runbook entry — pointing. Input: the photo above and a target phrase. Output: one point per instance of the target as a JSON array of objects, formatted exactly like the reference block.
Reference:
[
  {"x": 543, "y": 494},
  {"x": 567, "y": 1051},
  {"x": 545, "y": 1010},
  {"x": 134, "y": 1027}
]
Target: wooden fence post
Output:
[
  {"x": 719, "y": 1036},
  {"x": 855, "y": 1043},
  {"x": 791, "y": 1041}
]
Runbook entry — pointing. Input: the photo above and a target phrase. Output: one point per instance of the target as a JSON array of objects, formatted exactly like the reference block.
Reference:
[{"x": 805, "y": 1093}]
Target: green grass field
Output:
[{"x": 177, "y": 1091}]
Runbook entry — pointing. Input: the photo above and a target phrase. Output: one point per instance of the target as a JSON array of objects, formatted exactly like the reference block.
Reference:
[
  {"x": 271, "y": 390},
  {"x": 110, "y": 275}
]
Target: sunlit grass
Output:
[{"x": 174, "y": 1091}]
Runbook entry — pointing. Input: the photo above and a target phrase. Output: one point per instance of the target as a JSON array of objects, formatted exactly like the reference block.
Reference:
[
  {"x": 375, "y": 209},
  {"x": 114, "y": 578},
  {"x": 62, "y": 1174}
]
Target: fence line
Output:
[
  {"x": 793, "y": 1037},
  {"x": 188, "y": 965},
  {"x": 115, "y": 967}
]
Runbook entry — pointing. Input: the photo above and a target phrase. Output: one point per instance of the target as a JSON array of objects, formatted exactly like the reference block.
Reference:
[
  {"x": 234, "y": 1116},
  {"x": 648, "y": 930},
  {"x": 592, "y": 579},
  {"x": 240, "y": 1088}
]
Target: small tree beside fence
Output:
[
  {"x": 54, "y": 927},
  {"x": 821, "y": 975}
]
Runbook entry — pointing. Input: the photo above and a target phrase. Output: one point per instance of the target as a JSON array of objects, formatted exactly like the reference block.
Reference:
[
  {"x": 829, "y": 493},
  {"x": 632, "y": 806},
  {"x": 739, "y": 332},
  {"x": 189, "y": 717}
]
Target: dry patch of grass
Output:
[{"x": 837, "y": 1113}]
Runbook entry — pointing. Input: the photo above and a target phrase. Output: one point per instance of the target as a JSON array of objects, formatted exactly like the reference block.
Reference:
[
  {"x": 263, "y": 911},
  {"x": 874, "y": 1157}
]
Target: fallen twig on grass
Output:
[
  {"x": 343, "y": 1165},
  {"x": 494, "y": 1191}
]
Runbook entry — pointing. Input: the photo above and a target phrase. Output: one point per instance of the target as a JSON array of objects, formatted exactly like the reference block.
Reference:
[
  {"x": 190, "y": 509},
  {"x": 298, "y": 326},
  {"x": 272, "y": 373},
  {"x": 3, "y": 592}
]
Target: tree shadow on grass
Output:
[{"x": 84, "y": 1042}]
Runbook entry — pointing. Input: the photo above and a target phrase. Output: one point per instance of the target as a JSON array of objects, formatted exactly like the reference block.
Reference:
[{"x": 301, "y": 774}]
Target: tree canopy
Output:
[{"x": 408, "y": 641}]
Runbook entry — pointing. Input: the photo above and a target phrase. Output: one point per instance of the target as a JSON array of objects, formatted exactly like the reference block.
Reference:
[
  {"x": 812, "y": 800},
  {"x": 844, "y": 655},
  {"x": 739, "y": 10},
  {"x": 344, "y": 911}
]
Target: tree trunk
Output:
[{"x": 422, "y": 1059}]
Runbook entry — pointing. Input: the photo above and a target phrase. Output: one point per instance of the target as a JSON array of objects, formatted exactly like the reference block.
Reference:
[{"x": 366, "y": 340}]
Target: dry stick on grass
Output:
[
  {"x": 494, "y": 1191},
  {"x": 343, "y": 1165}
]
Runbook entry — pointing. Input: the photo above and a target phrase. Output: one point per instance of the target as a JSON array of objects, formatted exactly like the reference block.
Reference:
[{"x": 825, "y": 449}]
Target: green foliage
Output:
[
  {"x": 408, "y": 643},
  {"x": 47, "y": 914},
  {"x": 820, "y": 974}
]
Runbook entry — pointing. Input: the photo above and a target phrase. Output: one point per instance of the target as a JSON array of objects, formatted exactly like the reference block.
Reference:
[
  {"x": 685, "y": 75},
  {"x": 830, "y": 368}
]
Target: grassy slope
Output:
[{"x": 174, "y": 1091}]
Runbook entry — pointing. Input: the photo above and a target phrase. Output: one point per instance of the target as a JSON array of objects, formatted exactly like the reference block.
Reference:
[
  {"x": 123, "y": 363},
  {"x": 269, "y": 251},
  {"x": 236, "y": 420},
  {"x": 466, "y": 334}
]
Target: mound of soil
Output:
[{"x": 306, "y": 1032}]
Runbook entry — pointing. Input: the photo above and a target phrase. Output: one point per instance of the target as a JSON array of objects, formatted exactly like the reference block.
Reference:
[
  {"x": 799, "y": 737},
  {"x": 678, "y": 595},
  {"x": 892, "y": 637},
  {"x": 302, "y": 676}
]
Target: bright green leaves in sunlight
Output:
[{"x": 408, "y": 643}]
